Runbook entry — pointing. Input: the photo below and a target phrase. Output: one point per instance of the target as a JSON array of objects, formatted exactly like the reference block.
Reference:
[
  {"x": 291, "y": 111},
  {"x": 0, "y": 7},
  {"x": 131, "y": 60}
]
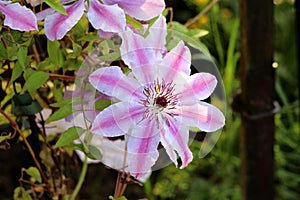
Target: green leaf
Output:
[
  {"x": 69, "y": 136},
  {"x": 21, "y": 194},
  {"x": 120, "y": 198},
  {"x": 34, "y": 173},
  {"x": 55, "y": 54},
  {"x": 134, "y": 23},
  {"x": 65, "y": 102},
  {"x": 72, "y": 64},
  {"x": 88, "y": 37},
  {"x": 47, "y": 65},
  {"x": 110, "y": 57},
  {"x": 3, "y": 52},
  {"x": 197, "y": 33},
  {"x": 62, "y": 112},
  {"x": 179, "y": 27},
  {"x": 36, "y": 80},
  {"x": 101, "y": 104},
  {"x": 76, "y": 50},
  {"x": 62, "y": 103},
  {"x": 22, "y": 62},
  {"x": 81, "y": 27},
  {"x": 58, "y": 90},
  {"x": 28, "y": 72},
  {"x": 56, "y": 5},
  {"x": 4, "y": 137},
  {"x": 231, "y": 59},
  {"x": 174, "y": 37},
  {"x": 22, "y": 56},
  {"x": 94, "y": 153},
  {"x": 17, "y": 71}
]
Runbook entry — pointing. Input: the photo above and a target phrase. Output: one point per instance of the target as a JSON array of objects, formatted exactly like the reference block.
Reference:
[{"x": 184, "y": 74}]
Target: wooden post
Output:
[
  {"x": 297, "y": 8},
  {"x": 257, "y": 98}
]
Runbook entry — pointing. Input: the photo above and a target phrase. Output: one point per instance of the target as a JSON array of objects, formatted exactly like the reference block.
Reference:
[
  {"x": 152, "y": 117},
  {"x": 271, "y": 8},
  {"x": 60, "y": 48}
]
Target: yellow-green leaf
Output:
[
  {"x": 34, "y": 173},
  {"x": 36, "y": 80},
  {"x": 67, "y": 137},
  {"x": 62, "y": 112},
  {"x": 56, "y": 5}
]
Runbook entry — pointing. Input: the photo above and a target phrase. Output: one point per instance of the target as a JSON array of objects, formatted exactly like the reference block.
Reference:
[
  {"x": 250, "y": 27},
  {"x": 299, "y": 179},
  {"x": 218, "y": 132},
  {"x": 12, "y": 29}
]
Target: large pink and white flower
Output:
[
  {"x": 158, "y": 101},
  {"x": 107, "y": 18},
  {"x": 18, "y": 17}
]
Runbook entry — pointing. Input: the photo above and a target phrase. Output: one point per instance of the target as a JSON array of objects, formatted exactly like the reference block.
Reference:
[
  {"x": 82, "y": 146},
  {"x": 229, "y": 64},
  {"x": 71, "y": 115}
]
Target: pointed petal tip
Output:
[
  {"x": 190, "y": 158},
  {"x": 108, "y": 18}
]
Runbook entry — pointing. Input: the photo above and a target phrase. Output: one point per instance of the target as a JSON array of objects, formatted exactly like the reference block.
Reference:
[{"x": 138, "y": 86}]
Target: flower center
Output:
[
  {"x": 159, "y": 98},
  {"x": 161, "y": 101}
]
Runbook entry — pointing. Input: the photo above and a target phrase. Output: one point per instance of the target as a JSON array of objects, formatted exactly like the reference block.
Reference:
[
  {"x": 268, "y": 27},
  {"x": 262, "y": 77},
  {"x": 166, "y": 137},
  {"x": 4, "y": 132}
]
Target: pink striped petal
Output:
[
  {"x": 142, "y": 152},
  {"x": 44, "y": 13},
  {"x": 117, "y": 119},
  {"x": 200, "y": 87},
  {"x": 202, "y": 115},
  {"x": 112, "y": 82},
  {"x": 174, "y": 138},
  {"x": 57, "y": 25},
  {"x": 109, "y": 18},
  {"x": 157, "y": 36},
  {"x": 177, "y": 60},
  {"x": 140, "y": 9},
  {"x": 104, "y": 34},
  {"x": 138, "y": 131},
  {"x": 139, "y": 56},
  {"x": 19, "y": 17}
]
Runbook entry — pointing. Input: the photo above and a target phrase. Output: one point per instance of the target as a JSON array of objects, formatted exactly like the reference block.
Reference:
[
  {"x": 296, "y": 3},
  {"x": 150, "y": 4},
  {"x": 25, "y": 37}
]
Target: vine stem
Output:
[
  {"x": 205, "y": 10},
  {"x": 60, "y": 76},
  {"x": 15, "y": 126},
  {"x": 81, "y": 179}
]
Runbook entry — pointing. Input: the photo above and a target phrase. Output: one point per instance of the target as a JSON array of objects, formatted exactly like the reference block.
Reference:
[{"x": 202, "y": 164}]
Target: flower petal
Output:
[
  {"x": 200, "y": 86},
  {"x": 139, "y": 56},
  {"x": 19, "y": 17},
  {"x": 202, "y": 115},
  {"x": 174, "y": 137},
  {"x": 142, "y": 152},
  {"x": 3, "y": 2},
  {"x": 138, "y": 131},
  {"x": 117, "y": 119},
  {"x": 112, "y": 82},
  {"x": 177, "y": 60},
  {"x": 44, "y": 13},
  {"x": 140, "y": 9},
  {"x": 109, "y": 18},
  {"x": 104, "y": 34},
  {"x": 157, "y": 35},
  {"x": 57, "y": 24},
  {"x": 112, "y": 151}
]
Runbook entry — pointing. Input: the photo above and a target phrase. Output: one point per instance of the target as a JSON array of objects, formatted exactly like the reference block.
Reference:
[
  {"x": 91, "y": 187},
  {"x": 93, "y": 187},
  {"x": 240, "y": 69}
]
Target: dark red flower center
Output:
[{"x": 161, "y": 101}]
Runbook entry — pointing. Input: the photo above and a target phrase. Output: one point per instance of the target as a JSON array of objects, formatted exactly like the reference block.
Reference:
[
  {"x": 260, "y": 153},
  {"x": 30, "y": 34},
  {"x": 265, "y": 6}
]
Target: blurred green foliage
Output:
[{"x": 217, "y": 175}]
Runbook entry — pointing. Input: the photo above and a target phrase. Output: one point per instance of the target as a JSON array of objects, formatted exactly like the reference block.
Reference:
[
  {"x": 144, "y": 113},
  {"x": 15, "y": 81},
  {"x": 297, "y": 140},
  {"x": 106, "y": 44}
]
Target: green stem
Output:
[{"x": 81, "y": 179}]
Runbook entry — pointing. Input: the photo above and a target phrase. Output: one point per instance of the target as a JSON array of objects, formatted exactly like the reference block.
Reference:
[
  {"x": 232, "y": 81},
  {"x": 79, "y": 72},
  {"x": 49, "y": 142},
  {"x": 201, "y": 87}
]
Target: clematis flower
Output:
[
  {"x": 18, "y": 17},
  {"x": 157, "y": 102},
  {"x": 108, "y": 19}
]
